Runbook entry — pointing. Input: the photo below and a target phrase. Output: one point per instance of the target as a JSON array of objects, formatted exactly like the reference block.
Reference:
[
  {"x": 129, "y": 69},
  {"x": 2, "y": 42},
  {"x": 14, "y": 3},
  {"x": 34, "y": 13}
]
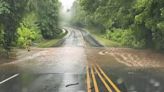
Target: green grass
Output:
[
  {"x": 48, "y": 43},
  {"x": 100, "y": 37},
  {"x": 52, "y": 42}
]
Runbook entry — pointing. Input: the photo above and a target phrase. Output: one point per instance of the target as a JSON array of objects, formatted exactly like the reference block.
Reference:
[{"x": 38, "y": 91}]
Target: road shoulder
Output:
[{"x": 100, "y": 38}]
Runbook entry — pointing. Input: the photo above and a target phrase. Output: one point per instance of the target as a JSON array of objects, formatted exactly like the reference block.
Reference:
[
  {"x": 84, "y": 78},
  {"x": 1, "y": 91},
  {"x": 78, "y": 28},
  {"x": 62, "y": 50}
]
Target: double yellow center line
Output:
[{"x": 103, "y": 77}]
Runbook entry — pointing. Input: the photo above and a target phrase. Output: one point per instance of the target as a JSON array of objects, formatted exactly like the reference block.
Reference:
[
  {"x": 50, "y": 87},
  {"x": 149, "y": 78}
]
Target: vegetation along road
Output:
[{"x": 81, "y": 45}]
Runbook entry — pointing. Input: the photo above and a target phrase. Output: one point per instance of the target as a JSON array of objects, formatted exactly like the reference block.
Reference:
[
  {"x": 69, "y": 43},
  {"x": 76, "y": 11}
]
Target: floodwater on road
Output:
[
  {"x": 64, "y": 68},
  {"x": 77, "y": 67}
]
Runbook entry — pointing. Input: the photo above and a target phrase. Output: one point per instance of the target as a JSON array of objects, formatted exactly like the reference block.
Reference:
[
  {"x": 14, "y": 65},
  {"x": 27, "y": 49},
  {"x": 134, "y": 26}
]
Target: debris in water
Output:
[{"x": 72, "y": 84}]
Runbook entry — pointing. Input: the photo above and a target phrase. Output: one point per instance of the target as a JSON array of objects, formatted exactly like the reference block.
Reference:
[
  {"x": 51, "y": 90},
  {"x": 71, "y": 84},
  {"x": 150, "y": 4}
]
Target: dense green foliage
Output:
[
  {"x": 48, "y": 18},
  {"x": 135, "y": 23},
  {"x": 24, "y": 21},
  {"x": 1, "y": 36},
  {"x": 28, "y": 31},
  {"x": 11, "y": 13}
]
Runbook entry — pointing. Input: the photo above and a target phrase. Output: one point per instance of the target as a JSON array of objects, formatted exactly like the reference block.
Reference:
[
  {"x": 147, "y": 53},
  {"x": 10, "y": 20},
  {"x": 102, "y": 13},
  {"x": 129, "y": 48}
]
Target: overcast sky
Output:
[{"x": 67, "y": 4}]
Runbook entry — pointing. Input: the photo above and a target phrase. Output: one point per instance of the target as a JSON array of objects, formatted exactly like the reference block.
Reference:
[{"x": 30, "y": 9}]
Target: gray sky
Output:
[{"x": 67, "y": 4}]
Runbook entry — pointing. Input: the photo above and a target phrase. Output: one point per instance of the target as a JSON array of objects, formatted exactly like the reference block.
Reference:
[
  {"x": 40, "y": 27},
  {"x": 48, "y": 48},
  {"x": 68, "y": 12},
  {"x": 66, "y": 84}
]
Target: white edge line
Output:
[{"x": 9, "y": 78}]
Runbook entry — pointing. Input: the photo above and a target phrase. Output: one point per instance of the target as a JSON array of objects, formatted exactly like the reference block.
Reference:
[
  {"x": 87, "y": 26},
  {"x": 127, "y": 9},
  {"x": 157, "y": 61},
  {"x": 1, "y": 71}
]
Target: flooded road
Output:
[
  {"x": 135, "y": 70},
  {"x": 81, "y": 64}
]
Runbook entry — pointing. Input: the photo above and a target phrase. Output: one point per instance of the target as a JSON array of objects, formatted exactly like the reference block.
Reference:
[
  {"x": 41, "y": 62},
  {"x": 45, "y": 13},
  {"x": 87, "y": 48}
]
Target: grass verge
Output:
[
  {"x": 100, "y": 38},
  {"x": 52, "y": 42}
]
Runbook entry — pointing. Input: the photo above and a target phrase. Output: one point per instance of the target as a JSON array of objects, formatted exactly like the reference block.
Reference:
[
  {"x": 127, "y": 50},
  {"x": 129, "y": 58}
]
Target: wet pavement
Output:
[
  {"x": 142, "y": 75},
  {"x": 81, "y": 64}
]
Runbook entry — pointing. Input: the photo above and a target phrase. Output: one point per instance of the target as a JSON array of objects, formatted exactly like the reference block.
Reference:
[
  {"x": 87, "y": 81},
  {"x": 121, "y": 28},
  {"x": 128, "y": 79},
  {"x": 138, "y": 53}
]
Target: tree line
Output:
[
  {"x": 24, "y": 21},
  {"x": 133, "y": 23}
]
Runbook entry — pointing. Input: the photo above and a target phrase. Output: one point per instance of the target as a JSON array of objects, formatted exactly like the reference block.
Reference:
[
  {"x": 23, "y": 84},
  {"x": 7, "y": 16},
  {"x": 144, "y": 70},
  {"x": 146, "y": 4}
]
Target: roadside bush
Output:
[
  {"x": 126, "y": 37},
  {"x": 28, "y": 31},
  {"x": 158, "y": 36},
  {"x": 26, "y": 36},
  {"x": 1, "y": 36}
]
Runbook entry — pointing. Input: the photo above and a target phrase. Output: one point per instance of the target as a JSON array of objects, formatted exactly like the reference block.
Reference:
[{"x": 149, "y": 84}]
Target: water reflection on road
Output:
[
  {"x": 63, "y": 68},
  {"x": 43, "y": 83}
]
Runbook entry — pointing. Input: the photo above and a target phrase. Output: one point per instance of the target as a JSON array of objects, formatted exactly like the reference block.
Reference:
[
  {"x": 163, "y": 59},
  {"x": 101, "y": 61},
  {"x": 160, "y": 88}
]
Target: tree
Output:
[
  {"x": 11, "y": 12},
  {"x": 144, "y": 19},
  {"x": 48, "y": 15}
]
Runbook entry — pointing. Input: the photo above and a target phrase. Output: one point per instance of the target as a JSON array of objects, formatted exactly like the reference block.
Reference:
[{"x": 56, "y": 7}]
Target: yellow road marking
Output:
[
  {"x": 109, "y": 80},
  {"x": 88, "y": 81},
  {"x": 94, "y": 81},
  {"x": 105, "y": 84}
]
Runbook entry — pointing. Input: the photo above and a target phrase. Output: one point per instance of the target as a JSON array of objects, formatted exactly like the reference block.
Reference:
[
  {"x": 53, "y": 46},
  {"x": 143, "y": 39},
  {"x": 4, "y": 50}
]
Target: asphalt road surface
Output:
[{"x": 82, "y": 64}]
